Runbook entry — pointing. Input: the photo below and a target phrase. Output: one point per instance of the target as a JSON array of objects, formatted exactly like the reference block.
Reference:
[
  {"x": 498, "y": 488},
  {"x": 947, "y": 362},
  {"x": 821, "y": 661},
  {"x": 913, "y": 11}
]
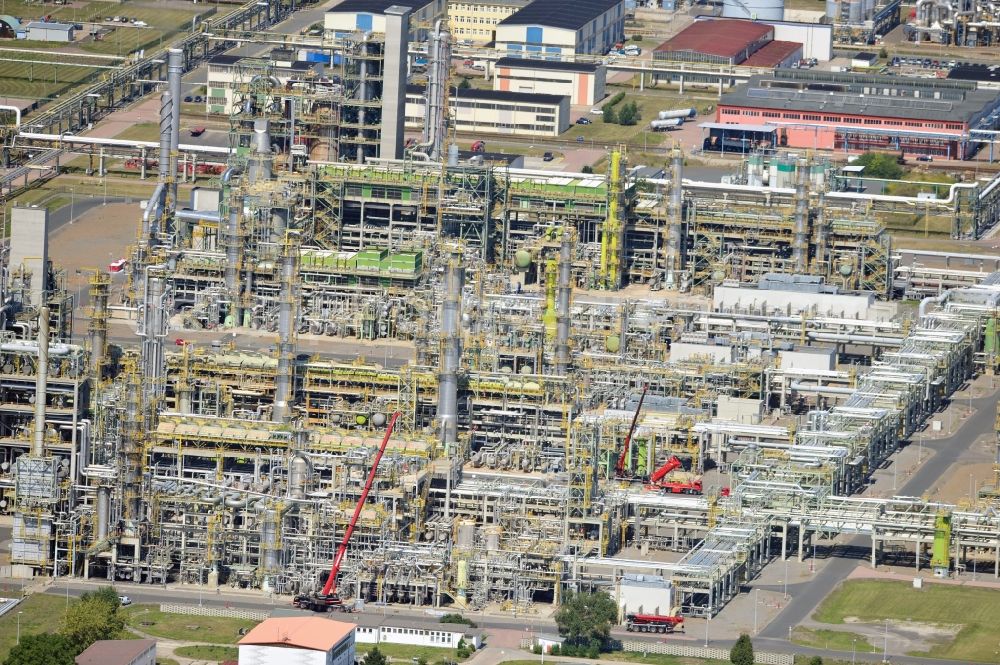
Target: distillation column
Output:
[
  {"x": 41, "y": 383},
  {"x": 281, "y": 412},
  {"x": 675, "y": 212},
  {"x": 153, "y": 330},
  {"x": 99, "y": 284},
  {"x": 175, "y": 69},
  {"x": 261, "y": 163},
  {"x": 822, "y": 231},
  {"x": 800, "y": 247},
  {"x": 562, "y": 308},
  {"x": 451, "y": 352}
]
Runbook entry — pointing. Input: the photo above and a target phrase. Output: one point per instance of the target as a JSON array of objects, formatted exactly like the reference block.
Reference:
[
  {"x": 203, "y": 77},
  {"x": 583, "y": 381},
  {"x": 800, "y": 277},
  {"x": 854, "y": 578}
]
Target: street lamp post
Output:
[
  {"x": 854, "y": 649},
  {"x": 786, "y": 578},
  {"x": 755, "y": 611},
  {"x": 707, "y": 624},
  {"x": 18, "y": 628},
  {"x": 72, "y": 204},
  {"x": 885, "y": 646}
]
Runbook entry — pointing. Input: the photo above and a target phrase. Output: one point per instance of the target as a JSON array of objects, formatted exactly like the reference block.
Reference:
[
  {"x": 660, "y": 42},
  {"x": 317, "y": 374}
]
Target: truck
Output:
[
  {"x": 652, "y": 623},
  {"x": 670, "y": 478},
  {"x": 665, "y": 125},
  {"x": 478, "y": 146},
  {"x": 677, "y": 113},
  {"x": 323, "y": 600}
]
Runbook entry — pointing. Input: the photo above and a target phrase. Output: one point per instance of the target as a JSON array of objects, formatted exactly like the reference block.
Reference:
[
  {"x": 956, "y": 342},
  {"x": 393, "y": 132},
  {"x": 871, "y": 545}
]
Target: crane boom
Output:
[
  {"x": 331, "y": 581},
  {"x": 620, "y": 464}
]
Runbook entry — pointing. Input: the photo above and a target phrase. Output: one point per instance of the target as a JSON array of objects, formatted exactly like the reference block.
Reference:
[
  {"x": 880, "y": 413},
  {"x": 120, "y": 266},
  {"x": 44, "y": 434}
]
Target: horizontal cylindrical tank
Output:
[
  {"x": 659, "y": 125},
  {"x": 677, "y": 113},
  {"x": 760, "y": 10}
]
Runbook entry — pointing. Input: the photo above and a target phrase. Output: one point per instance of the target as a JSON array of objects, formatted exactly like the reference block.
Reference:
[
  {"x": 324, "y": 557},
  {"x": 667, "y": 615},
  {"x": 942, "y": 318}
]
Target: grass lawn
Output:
[
  {"x": 830, "y": 639},
  {"x": 40, "y": 81},
  {"x": 166, "y": 661},
  {"x": 976, "y": 609},
  {"x": 405, "y": 652},
  {"x": 208, "y": 652},
  {"x": 40, "y": 613},
  {"x": 215, "y": 630},
  {"x": 143, "y": 131}
]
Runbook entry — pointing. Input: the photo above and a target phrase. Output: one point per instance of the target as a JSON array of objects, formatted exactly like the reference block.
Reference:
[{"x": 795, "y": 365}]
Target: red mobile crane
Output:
[
  {"x": 623, "y": 456},
  {"x": 327, "y": 598}
]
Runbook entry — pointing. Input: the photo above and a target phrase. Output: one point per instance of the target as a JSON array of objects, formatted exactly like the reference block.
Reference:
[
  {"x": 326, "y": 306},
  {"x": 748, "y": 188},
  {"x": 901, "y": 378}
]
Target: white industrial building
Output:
[
  {"x": 582, "y": 82},
  {"x": 644, "y": 594},
  {"x": 496, "y": 112},
  {"x": 552, "y": 28},
  {"x": 304, "y": 640},
  {"x": 351, "y": 16},
  {"x": 42, "y": 31},
  {"x": 374, "y": 629},
  {"x": 794, "y": 294}
]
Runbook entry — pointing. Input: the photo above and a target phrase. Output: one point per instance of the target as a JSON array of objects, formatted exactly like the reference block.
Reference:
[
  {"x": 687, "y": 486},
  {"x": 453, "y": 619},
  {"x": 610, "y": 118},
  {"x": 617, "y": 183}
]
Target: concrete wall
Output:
[
  {"x": 729, "y": 298},
  {"x": 503, "y": 118},
  {"x": 738, "y": 409},
  {"x": 29, "y": 246},
  {"x": 432, "y": 636},
  {"x": 816, "y": 39},
  {"x": 814, "y": 359},
  {"x": 257, "y": 654}
]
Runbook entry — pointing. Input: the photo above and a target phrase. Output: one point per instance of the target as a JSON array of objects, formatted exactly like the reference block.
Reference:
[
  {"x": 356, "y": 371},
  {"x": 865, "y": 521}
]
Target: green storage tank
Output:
[{"x": 941, "y": 549}]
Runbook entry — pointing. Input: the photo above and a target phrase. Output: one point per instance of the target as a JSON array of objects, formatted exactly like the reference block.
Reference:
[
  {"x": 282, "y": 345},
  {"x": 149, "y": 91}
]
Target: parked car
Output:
[
  {"x": 189, "y": 99},
  {"x": 597, "y": 110},
  {"x": 924, "y": 158},
  {"x": 579, "y": 139},
  {"x": 117, "y": 265},
  {"x": 583, "y": 120},
  {"x": 197, "y": 131},
  {"x": 548, "y": 157},
  {"x": 124, "y": 600}
]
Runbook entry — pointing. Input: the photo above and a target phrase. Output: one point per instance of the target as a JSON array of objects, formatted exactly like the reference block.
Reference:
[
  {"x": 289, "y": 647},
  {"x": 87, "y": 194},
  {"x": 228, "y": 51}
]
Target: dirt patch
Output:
[
  {"x": 962, "y": 479},
  {"x": 903, "y": 636}
]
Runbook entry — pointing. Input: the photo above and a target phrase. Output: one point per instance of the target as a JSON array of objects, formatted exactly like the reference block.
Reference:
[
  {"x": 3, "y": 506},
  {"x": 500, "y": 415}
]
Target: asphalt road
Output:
[{"x": 947, "y": 452}]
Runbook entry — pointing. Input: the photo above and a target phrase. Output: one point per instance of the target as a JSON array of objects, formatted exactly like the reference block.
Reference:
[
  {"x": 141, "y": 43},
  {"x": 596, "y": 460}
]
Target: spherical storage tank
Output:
[{"x": 761, "y": 10}]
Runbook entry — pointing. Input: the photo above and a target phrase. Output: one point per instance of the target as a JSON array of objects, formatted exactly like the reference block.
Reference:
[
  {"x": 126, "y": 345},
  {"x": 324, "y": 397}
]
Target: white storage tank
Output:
[{"x": 760, "y": 10}]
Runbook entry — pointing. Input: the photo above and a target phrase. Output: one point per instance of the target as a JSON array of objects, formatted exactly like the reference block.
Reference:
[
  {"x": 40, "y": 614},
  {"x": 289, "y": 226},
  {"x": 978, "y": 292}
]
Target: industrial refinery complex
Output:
[{"x": 480, "y": 379}]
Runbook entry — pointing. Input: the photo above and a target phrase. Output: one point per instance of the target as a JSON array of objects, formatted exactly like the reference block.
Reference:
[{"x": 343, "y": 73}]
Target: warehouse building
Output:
[
  {"x": 475, "y": 21},
  {"x": 496, "y": 111},
  {"x": 722, "y": 42},
  {"x": 552, "y": 28},
  {"x": 118, "y": 652},
  {"x": 309, "y": 640},
  {"x": 582, "y": 82},
  {"x": 352, "y": 16},
  {"x": 40, "y": 31},
  {"x": 855, "y": 112}
]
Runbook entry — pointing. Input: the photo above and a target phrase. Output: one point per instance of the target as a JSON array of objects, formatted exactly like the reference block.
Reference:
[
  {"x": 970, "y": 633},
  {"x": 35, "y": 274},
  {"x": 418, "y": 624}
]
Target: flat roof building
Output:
[
  {"x": 119, "y": 652},
  {"x": 775, "y": 54},
  {"x": 858, "y": 112},
  {"x": 551, "y": 28},
  {"x": 476, "y": 20},
  {"x": 582, "y": 82},
  {"x": 50, "y": 32},
  {"x": 496, "y": 111}
]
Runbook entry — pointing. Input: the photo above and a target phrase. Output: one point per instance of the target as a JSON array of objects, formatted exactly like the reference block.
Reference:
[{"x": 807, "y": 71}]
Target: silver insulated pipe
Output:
[
  {"x": 800, "y": 246},
  {"x": 676, "y": 212},
  {"x": 233, "y": 246},
  {"x": 41, "y": 383},
  {"x": 103, "y": 512},
  {"x": 822, "y": 230},
  {"x": 562, "y": 305},
  {"x": 451, "y": 350},
  {"x": 261, "y": 161},
  {"x": 281, "y": 412},
  {"x": 175, "y": 69}
]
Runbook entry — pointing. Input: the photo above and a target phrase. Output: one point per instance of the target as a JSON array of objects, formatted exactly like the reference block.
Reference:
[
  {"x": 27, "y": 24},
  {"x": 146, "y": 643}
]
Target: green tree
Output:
[
  {"x": 610, "y": 115},
  {"x": 816, "y": 660},
  {"x": 587, "y": 168},
  {"x": 585, "y": 619},
  {"x": 742, "y": 651},
  {"x": 454, "y": 617},
  {"x": 42, "y": 649},
  {"x": 94, "y": 618},
  {"x": 375, "y": 657},
  {"x": 465, "y": 83},
  {"x": 629, "y": 114},
  {"x": 882, "y": 53},
  {"x": 880, "y": 165}
]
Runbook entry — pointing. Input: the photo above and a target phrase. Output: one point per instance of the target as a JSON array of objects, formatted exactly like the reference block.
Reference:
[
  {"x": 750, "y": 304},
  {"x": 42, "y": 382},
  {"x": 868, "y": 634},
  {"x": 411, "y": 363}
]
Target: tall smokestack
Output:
[
  {"x": 41, "y": 383},
  {"x": 166, "y": 131},
  {"x": 676, "y": 212},
  {"x": 175, "y": 69},
  {"x": 800, "y": 247},
  {"x": 562, "y": 305},
  {"x": 451, "y": 350},
  {"x": 281, "y": 412}
]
